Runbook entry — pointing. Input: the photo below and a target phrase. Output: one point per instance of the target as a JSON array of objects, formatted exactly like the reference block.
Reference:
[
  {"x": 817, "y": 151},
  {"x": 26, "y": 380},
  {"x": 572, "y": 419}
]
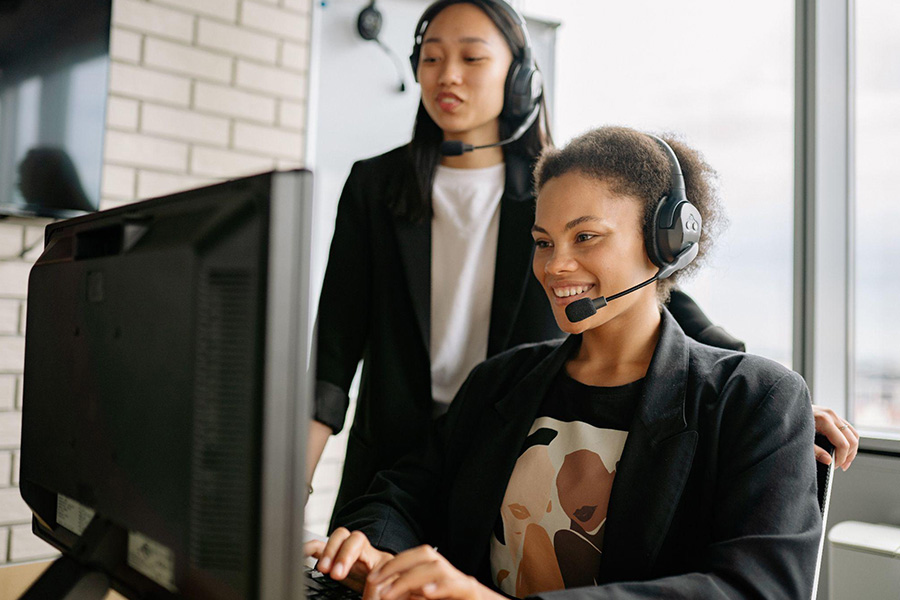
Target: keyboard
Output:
[{"x": 322, "y": 587}]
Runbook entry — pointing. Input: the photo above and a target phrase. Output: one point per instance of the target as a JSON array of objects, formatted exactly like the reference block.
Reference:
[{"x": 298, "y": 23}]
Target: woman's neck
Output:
[
  {"x": 489, "y": 133},
  {"x": 620, "y": 350},
  {"x": 477, "y": 159}
]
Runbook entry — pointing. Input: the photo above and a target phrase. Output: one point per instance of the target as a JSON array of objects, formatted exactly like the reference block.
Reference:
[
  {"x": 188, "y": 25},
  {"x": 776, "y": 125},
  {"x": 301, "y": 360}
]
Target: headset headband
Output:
[{"x": 513, "y": 14}]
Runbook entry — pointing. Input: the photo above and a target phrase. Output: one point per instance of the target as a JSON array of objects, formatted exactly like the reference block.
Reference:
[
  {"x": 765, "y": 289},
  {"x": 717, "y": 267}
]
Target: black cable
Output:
[{"x": 398, "y": 64}]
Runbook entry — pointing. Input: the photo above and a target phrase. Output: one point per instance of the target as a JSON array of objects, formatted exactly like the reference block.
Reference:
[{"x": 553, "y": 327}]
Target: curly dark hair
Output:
[{"x": 635, "y": 165}]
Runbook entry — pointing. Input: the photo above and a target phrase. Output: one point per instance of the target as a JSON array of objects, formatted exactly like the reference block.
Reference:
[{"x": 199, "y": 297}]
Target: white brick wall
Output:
[
  {"x": 153, "y": 19},
  {"x": 24, "y": 545},
  {"x": 223, "y": 100},
  {"x": 237, "y": 41},
  {"x": 6, "y": 461},
  {"x": 199, "y": 90},
  {"x": 271, "y": 80},
  {"x": 144, "y": 84},
  {"x": 7, "y": 395}
]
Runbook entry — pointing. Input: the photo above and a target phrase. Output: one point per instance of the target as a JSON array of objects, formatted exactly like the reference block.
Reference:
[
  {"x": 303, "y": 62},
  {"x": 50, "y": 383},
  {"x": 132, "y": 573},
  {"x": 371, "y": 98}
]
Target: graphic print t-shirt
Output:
[{"x": 550, "y": 532}]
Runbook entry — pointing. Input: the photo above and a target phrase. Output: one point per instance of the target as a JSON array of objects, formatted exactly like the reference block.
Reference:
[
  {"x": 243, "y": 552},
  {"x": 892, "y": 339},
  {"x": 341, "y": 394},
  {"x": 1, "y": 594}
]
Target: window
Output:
[
  {"x": 877, "y": 215},
  {"x": 684, "y": 68}
]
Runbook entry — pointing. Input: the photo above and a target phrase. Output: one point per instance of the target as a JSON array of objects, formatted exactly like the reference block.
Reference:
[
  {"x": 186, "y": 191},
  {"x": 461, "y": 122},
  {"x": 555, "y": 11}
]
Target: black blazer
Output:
[
  {"x": 376, "y": 302},
  {"x": 714, "y": 496}
]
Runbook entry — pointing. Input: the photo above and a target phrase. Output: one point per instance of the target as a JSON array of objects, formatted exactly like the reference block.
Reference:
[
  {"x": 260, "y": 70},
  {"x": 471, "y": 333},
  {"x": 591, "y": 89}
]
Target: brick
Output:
[
  {"x": 7, "y": 392},
  {"x": 19, "y": 393},
  {"x": 295, "y": 56},
  {"x": 153, "y": 19},
  {"x": 4, "y": 544},
  {"x": 271, "y": 79},
  {"x": 223, "y": 9},
  {"x": 12, "y": 353},
  {"x": 268, "y": 140},
  {"x": 237, "y": 41},
  {"x": 225, "y": 163},
  {"x": 183, "y": 59},
  {"x": 152, "y": 184},
  {"x": 292, "y": 114},
  {"x": 144, "y": 151},
  {"x": 10, "y": 430},
  {"x": 14, "y": 279},
  {"x": 13, "y": 509},
  {"x": 184, "y": 125},
  {"x": 9, "y": 316},
  {"x": 304, "y": 6},
  {"x": 24, "y": 545},
  {"x": 125, "y": 45},
  {"x": 289, "y": 165},
  {"x": 10, "y": 241},
  {"x": 286, "y": 24},
  {"x": 6, "y": 460},
  {"x": 34, "y": 246},
  {"x": 16, "y": 468},
  {"x": 122, "y": 113},
  {"x": 147, "y": 84},
  {"x": 118, "y": 182},
  {"x": 227, "y": 101}
]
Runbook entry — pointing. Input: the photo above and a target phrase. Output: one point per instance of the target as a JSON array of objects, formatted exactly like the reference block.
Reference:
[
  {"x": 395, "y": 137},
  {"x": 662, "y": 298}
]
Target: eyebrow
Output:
[
  {"x": 464, "y": 40},
  {"x": 571, "y": 224}
]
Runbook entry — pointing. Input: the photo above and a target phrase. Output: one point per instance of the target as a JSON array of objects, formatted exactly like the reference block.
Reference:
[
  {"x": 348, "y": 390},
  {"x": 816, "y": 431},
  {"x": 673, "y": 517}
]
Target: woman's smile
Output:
[{"x": 566, "y": 292}]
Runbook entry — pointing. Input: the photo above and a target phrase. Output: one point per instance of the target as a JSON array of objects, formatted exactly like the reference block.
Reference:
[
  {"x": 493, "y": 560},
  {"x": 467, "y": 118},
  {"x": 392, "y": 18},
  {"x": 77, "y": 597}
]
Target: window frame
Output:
[{"x": 824, "y": 208}]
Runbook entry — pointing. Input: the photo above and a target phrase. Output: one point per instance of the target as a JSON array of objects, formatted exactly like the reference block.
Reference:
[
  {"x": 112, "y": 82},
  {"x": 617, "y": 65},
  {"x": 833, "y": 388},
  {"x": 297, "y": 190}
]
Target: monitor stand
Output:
[{"x": 81, "y": 574}]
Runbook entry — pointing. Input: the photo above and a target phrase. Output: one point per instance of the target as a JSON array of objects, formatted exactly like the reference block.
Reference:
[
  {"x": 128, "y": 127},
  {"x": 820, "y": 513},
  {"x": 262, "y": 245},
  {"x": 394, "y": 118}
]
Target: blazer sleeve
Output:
[
  {"x": 405, "y": 506},
  {"x": 766, "y": 522},
  {"x": 344, "y": 304}
]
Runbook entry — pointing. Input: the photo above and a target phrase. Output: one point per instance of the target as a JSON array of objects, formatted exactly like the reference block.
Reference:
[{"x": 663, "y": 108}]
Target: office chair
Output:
[{"x": 823, "y": 476}]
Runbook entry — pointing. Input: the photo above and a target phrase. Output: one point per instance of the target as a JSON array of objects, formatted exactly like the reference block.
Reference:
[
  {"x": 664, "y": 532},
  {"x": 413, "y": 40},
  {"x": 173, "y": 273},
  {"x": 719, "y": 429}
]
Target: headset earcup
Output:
[
  {"x": 524, "y": 86},
  {"x": 686, "y": 228}
]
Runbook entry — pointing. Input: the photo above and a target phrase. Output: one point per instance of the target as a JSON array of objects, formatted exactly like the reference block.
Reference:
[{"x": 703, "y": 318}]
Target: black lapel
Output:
[
  {"x": 489, "y": 463},
  {"x": 514, "y": 249},
  {"x": 414, "y": 241},
  {"x": 655, "y": 464}
]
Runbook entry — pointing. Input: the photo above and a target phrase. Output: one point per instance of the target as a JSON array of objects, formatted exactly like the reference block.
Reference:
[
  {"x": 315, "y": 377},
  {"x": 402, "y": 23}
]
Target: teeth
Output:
[{"x": 571, "y": 291}]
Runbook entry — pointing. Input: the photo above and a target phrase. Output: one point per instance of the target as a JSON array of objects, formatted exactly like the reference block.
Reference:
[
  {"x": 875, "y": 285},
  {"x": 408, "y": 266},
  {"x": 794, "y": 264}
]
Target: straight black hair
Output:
[{"x": 424, "y": 149}]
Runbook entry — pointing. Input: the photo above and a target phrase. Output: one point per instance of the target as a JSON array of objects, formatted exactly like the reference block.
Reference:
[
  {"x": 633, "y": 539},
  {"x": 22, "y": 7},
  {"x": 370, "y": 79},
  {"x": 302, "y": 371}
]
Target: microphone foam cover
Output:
[
  {"x": 452, "y": 148},
  {"x": 580, "y": 310}
]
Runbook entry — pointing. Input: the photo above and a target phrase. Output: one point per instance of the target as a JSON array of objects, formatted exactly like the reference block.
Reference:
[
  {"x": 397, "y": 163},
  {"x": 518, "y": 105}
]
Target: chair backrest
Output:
[{"x": 823, "y": 475}]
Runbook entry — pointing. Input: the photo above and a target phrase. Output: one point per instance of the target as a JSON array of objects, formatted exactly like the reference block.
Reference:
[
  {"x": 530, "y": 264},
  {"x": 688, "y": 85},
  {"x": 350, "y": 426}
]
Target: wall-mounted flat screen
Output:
[{"x": 54, "y": 65}]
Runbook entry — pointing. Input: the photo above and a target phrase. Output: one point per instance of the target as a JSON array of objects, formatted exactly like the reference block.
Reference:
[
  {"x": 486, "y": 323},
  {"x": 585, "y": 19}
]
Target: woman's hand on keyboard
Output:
[
  {"x": 423, "y": 573},
  {"x": 346, "y": 557}
]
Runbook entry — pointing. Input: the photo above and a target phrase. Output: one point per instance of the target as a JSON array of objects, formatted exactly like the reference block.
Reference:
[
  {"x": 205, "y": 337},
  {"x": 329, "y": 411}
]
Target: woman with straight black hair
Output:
[{"x": 428, "y": 272}]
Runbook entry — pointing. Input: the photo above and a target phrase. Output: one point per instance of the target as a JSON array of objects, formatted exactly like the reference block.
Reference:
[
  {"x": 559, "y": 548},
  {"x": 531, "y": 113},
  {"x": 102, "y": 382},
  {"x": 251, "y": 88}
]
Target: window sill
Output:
[{"x": 879, "y": 442}]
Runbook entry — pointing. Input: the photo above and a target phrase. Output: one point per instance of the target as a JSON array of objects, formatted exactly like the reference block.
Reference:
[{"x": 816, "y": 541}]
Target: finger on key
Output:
[{"x": 334, "y": 543}]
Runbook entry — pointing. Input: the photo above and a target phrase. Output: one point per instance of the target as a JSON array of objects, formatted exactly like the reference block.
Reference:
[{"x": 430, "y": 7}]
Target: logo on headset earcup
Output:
[{"x": 671, "y": 237}]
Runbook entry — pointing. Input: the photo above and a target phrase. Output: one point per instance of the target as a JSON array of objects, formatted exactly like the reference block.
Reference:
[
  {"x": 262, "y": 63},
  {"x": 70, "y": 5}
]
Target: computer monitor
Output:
[{"x": 167, "y": 380}]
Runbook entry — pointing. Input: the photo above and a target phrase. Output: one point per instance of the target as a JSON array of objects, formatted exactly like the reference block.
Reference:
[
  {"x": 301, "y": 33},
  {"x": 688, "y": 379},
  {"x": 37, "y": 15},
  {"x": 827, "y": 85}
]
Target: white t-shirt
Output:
[{"x": 464, "y": 230}]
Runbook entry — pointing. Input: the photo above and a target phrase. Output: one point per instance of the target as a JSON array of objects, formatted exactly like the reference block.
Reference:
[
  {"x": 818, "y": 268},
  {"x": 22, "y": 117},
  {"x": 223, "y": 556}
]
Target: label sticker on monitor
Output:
[
  {"x": 72, "y": 515},
  {"x": 152, "y": 559}
]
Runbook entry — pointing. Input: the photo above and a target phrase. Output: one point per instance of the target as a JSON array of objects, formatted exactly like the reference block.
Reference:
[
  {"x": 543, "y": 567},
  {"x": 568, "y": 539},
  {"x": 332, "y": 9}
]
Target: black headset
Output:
[
  {"x": 524, "y": 84},
  {"x": 676, "y": 223}
]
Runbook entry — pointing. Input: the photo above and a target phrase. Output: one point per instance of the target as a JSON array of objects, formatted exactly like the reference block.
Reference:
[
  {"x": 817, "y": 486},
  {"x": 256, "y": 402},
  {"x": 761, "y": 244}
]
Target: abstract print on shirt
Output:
[{"x": 550, "y": 532}]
